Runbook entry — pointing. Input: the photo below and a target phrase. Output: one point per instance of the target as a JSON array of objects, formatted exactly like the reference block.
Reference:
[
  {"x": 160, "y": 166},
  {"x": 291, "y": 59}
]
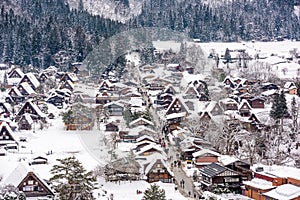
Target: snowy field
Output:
[{"x": 85, "y": 146}]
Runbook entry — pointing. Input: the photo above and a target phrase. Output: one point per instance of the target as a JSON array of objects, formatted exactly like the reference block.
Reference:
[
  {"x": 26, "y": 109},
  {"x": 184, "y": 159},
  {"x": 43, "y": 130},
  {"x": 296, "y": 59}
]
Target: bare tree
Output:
[
  {"x": 229, "y": 135},
  {"x": 196, "y": 126}
]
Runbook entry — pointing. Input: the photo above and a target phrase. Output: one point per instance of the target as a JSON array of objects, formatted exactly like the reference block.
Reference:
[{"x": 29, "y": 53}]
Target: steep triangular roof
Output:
[
  {"x": 141, "y": 119},
  {"x": 33, "y": 106},
  {"x": 177, "y": 104},
  {"x": 7, "y": 136},
  {"x": 31, "y": 77}
]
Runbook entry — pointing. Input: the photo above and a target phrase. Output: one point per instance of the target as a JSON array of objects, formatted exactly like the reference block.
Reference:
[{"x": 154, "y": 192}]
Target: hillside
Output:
[{"x": 54, "y": 32}]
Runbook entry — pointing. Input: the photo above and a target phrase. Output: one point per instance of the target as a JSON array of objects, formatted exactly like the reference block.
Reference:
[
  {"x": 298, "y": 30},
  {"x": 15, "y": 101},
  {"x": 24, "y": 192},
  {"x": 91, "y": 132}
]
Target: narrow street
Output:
[{"x": 187, "y": 189}]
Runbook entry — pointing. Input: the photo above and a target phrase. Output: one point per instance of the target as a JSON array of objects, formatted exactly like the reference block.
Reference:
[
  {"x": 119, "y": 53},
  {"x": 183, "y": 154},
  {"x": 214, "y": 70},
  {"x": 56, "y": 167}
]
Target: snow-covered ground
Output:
[
  {"x": 126, "y": 190},
  {"x": 85, "y": 146}
]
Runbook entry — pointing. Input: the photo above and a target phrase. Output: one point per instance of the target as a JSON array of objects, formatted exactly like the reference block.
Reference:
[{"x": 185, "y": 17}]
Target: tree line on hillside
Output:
[
  {"x": 230, "y": 21},
  {"x": 50, "y": 33}
]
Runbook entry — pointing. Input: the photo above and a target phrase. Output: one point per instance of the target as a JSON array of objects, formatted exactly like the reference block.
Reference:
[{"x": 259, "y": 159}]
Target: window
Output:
[
  {"x": 30, "y": 182},
  {"x": 27, "y": 188},
  {"x": 230, "y": 179}
]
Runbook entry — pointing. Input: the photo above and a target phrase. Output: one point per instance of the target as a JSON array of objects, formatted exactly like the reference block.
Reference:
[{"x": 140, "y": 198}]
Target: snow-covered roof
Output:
[
  {"x": 288, "y": 84},
  {"x": 73, "y": 77},
  {"x": 205, "y": 151},
  {"x": 36, "y": 108},
  {"x": 151, "y": 146},
  {"x": 284, "y": 192},
  {"x": 18, "y": 71},
  {"x": 280, "y": 171},
  {"x": 32, "y": 79},
  {"x": 141, "y": 119},
  {"x": 175, "y": 115},
  {"x": 153, "y": 161},
  {"x": 244, "y": 101},
  {"x": 259, "y": 184},
  {"x": 5, "y": 125},
  {"x": 27, "y": 88},
  {"x": 17, "y": 175},
  {"x": 16, "y": 90},
  {"x": 145, "y": 137},
  {"x": 273, "y": 60},
  {"x": 226, "y": 159},
  {"x": 51, "y": 69},
  {"x": 269, "y": 92}
]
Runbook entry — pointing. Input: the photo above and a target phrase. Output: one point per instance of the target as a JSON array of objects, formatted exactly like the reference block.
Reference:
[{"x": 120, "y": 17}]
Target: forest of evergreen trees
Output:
[{"x": 48, "y": 32}]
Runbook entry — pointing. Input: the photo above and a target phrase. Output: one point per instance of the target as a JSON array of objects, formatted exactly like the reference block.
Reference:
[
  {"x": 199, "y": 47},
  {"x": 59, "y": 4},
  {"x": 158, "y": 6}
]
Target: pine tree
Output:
[
  {"x": 68, "y": 117},
  {"x": 294, "y": 113},
  {"x": 279, "y": 108},
  {"x": 227, "y": 56},
  {"x": 72, "y": 181},
  {"x": 154, "y": 193}
]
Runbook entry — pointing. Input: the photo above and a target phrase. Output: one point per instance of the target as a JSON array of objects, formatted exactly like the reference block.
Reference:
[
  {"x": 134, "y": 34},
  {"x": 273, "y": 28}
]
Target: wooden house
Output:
[
  {"x": 214, "y": 108},
  {"x": 67, "y": 84},
  {"x": 81, "y": 121},
  {"x": 154, "y": 86},
  {"x": 25, "y": 89},
  {"x": 56, "y": 99},
  {"x": 141, "y": 144},
  {"x": 69, "y": 77},
  {"x": 81, "y": 118},
  {"x": 205, "y": 116},
  {"x": 43, "y": 77},
  {"x": 229, "y": 82},
  {"x": 241, "y": 167},
  {"x": 229, "y": 104},
  {"x": 128, "y": 136},
  {"x": 29, "y": 182},
  {"x": 253, "y": 123},
  {"x": 256, "y": 187},
  {"x": 176, "y": 112},
  {"x": 290, "y": 88},
  {"x": 105, "y": 97},
  {"x": 7, "y": 136},
  {"x": 244, "y": 108},
  {"x": 246, "y": 96},
  {"x": 216, "y": 175},
  {"x": 39, "y": 160},
  {"x": 143, "y": 130},
  {"x": 111, "y": 127},
  {"x": 114, "y": 108},
  {"x": 157, "y": 170},
  {"x": 205, "y": 157},
  {"x": 106, "y": 85},
  {"x": 50, "y": 71},
  {"x": 32, "y": 109},
  {"x": 15, "y": 73},
  {"x": 5, "y": 109},
  {"x": 257, "y": 102},
  {"x": 145, "y": 138},
  {"x": 25, "y": 122},
  {"x": 15, "y": 95},
  {"x": 31, "y": 80}
]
